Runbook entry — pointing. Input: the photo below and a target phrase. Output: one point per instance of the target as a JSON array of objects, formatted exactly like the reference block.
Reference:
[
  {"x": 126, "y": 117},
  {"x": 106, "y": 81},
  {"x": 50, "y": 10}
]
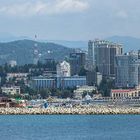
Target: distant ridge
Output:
[
  {"x": 22, "y": 51},
  {"x": 129, "y": 43}
]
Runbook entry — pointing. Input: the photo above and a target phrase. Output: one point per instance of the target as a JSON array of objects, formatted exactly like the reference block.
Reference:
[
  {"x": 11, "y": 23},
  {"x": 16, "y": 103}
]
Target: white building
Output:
[
  {"x": 12, "y": 63},
  {"x": 80, "y": 90},
  {"x": 12, "y": 90},
  {"x": 63, "y": 69},
  {"x": 18, "y": 76}
]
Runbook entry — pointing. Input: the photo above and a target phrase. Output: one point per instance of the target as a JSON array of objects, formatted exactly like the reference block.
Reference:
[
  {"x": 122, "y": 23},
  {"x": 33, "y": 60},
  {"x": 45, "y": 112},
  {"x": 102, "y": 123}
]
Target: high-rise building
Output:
[
  {"x": 77, "y": 61},
  {"x": 63, "y": 69},
  {"x": 90, "y": 56},
  {"x": 105, "y": 52},
  {"x": 139, "y": 54},
  {"x": 127, "y": 70}
]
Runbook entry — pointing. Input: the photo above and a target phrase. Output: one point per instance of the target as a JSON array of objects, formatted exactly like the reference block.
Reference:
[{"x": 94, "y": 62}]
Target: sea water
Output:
[{"x": 70, "y": 127}]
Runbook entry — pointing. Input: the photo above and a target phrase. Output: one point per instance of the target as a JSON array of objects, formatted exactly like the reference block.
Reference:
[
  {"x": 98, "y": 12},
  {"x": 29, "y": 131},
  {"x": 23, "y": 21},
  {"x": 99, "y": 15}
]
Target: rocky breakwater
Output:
[{"x": 97, "y": 110}]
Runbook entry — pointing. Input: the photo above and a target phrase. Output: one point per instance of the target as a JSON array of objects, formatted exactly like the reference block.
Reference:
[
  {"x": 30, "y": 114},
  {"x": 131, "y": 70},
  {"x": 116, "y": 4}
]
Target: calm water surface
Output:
[{"x": 66, "y": 127}]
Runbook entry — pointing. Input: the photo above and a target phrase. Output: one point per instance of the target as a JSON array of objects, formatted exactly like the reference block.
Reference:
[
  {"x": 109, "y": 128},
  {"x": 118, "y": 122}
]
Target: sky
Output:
[{"x": 70, "y": 19}]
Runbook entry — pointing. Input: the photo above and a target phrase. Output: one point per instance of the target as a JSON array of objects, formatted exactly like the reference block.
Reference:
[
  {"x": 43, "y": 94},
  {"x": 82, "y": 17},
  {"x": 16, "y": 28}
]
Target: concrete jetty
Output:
[{"x": 87, "y": 110}]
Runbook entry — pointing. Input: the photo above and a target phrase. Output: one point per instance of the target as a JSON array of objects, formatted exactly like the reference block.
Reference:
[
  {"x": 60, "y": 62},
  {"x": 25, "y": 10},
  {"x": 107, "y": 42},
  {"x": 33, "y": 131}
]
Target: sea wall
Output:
[{"x": 97, "y": 110}]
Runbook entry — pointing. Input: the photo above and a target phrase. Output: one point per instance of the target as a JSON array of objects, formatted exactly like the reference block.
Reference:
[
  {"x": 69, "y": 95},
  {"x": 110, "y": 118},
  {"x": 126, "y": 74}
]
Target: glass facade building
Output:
[{"x": 127, "y": 70}]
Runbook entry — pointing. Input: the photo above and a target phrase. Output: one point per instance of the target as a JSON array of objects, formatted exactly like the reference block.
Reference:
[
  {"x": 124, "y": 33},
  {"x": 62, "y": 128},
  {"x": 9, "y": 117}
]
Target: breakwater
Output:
[{"x": 97, "y": 110}]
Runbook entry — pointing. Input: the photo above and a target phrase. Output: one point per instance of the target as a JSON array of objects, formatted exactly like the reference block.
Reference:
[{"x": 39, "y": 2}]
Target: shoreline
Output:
[{"x": 95, "y": 110}]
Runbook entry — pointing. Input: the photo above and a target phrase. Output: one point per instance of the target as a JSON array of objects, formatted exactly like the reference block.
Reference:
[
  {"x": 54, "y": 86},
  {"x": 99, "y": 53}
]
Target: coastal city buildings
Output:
[
  {"x": 125, "y": 93},
  {"x": 11, "y": 90},
  {"x": 71, "y": 82},
  {"x": 77, "y": 61},
  {"x": 90, "y": 56},
  {"x": 58, "y": 82},
  {"x": 17, "y": 76},
  {"x": 83, "y": 89},
  {"x": 127, "y": 70},
  {"x": 12, "y": 63},
  {"x": 63, "y": 69},
  {"x": 93, "y": 78},
  {"x": 105, "y": 52}
]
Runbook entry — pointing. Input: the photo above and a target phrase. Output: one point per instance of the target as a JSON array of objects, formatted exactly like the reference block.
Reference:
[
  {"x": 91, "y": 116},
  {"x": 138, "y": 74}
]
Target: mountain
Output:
[
  {"x": 23, "y": 51},
  {"x": 129, "y": 43},
  {"x": 71, "y": 44}
]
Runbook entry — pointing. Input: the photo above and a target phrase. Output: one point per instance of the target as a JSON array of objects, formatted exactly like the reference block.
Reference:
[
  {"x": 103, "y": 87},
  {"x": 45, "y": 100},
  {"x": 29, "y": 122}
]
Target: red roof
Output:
[{"x": 122, "y": 90}]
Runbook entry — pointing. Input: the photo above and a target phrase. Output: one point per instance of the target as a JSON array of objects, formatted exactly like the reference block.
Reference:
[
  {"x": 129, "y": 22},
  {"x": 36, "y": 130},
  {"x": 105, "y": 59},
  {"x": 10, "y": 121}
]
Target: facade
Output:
[
  {"x": 91, "y": 78},
  {"x": 80, "y": 90},
  {"x": 77, "y": 61},
  {"x": 58, "y": 82},
  {"x": 104, "y": 53},
  {"x": 125, "y": 93},
  {"x": 90, "y": 56},
  {"x": 99, "y": 78},
  {"x": 71, "y": 82},
  {"x": 127, "y": 70},
  {"x": 12, "y": 90},
  {"x": 43, "y": 82},
  {"x": 18, "y": 76},
  {"x": 12, "y": 63},
  {"x": 63, "y": 69}
]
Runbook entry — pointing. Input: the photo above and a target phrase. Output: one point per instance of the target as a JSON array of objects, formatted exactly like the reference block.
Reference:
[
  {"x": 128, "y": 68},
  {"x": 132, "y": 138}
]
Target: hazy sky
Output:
[{"x": 70, "y": 19}]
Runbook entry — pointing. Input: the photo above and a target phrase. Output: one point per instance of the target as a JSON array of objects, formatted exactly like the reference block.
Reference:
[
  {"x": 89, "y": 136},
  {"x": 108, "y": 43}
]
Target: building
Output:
[
  {"x": 12, "y": 90},
  {"x": 90, "y": 56},
  {"x": 80, "y": 90},
  {"x": 12, "y": 63},
  {"x": 138, "y": 54},
  {"x": 125, "y": 93},
  {"x": 77, "y": 61},
  {"x": 42, "y": 82},
  {"x": 104, "y": 53},
  {"x": 58, "y": 82},
  {"x": 15, "y": 77},
  {"x": 93, "y": 78},
  {"x": 63, "y": 69},
  {"x": 18, "y": 76},
  {"x": 71, "y": 82},
  {"x": 127, "y": 70}
]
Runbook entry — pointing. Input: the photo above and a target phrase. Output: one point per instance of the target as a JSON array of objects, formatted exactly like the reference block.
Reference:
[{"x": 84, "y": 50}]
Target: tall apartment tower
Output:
[
  {"x": 90, "y": 57},
  {"x": 127, "y": 70},
  {"x": 104, "y": 53},
  {"x": 77, "y": 61}
]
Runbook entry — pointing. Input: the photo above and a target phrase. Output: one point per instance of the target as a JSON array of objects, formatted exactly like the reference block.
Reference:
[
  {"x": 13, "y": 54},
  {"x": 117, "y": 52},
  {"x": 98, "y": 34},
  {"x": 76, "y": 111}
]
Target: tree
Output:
[
  {"x": 106, "y": 86},
  {"x": 82, "y": 72},
  {"x": 44, "y": 93},
  {"x": 67, "y": 94}
]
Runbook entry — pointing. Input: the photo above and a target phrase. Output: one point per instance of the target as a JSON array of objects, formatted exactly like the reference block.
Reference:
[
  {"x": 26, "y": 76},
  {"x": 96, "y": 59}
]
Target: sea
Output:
[{"x": 70, "y": 127}]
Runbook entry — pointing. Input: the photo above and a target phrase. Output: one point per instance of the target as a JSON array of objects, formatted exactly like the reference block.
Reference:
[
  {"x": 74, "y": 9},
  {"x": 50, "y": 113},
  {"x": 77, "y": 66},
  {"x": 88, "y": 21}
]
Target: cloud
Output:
[
  {"x": 122, "y": 14},
  {"x": 41, "y": 7}
]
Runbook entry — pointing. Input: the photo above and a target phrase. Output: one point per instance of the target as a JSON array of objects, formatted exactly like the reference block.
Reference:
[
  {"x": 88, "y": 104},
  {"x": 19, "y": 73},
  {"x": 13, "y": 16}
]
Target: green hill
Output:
[{"x": 23, "y": 51}]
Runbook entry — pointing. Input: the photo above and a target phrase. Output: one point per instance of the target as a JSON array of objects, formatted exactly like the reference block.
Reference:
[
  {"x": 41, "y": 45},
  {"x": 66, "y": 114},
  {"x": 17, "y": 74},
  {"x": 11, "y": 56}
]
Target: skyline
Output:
[{"x": 70, "y": 19}]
